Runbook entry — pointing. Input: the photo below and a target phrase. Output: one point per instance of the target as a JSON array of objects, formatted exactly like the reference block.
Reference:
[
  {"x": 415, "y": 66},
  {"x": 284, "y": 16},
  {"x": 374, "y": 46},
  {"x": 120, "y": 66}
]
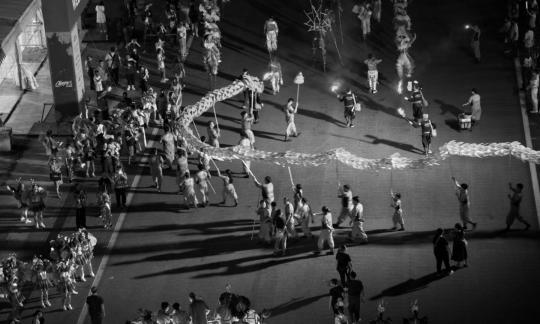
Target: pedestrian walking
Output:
[
  {"x": 344, "y": 265},
  {"x": 274, "y": 75},
  {"x": 198, "y": 309},
  {"x": 462, "y": 194},
  {"x": 336, "y": 295},
  {"x": 246, "y": 165},
  {"x": 156, "y": 169},
  {"x": 305, "y": 216},
  {"x": 327, "y": 230},
  {"x": 372, "y": 73},
  {"x": 533, "y": 88},
  {"x": 38, "y": 317},
  {"x": 187, "y": 188},
  {"x": 418, "y": 101},
  {"x": 515, "y": 201},
  {"x": 36, "y": 202},
  {"x": 247, "y": 122},
  {"x": 144, "y": 76},
  {"x": 355, "y": 292},
  {"x": 271, "y": 31},
  {"x": 428, "y": 129},
  {"x": 357, "y": 217},
  {"x": 528, "y": 41},
  {"x": 55, "y": 175},
  {"x": 104, "y": 203},
  {"x": 213, "y": 134},
  {"x": 80, "y": 205},
  {"x": 202, "y": 179},
  {"x": 364, "y": 15},
  {"x": 267, "y": 189},
  {"x": 280, "y": 233},
  {"x": 290, "y": 221},
  {"x": 228, "y": 187},
  {"x": 290, "y": 110},
  {"x": 476, "y": 108},
  {"x": 349, "y": 102},
  {"x": 120, "y": 186},
  {"x": 178, "y": 315},
  {"x": 265, "y": 221},
  {"x": 397, "y": 217},
  {"x": 441, "y": 251},
  {"x": 169, "y": 146},
  {"x": 101, "y": 18},
  {"x": 113, "y": 63},
  {"x": 459, "y": 246},
  {"x": 346, "y": 195},
  {"x": 96, "y": 306}
]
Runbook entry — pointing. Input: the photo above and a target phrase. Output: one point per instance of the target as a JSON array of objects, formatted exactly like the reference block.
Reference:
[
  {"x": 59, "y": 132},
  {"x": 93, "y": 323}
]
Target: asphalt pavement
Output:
[{"x": 163, "y": 252}]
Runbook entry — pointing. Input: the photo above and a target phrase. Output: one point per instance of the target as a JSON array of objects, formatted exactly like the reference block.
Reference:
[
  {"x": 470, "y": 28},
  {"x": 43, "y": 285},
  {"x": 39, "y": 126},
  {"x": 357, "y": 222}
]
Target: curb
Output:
[{"x": 527, "y": 132}]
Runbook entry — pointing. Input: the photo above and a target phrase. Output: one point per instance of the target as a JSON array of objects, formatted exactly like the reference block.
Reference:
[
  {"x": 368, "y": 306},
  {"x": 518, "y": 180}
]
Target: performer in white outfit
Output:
[{"x": 271, "y": 31}]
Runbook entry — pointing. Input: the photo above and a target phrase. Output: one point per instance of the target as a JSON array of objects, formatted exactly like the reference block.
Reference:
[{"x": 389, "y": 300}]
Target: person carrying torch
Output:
[{"x": 350, "y": 105}]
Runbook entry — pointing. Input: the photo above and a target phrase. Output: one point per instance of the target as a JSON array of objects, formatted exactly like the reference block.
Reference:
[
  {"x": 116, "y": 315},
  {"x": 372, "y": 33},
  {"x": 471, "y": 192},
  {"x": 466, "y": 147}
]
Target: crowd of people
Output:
[
  {"x": 102, "y": 135},
  {"x": 69, "y": 262}
]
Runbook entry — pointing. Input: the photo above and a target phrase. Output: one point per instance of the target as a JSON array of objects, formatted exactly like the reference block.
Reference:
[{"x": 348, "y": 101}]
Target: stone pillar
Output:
[{"x": 67, "y": 77}]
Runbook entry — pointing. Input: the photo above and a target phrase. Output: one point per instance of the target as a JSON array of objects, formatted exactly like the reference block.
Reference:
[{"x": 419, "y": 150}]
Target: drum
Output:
[{"x": 464, "y": 121}]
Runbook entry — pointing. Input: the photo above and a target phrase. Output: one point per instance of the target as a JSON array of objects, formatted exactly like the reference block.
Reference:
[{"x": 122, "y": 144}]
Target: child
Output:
[{"x": 104, "y": 201}]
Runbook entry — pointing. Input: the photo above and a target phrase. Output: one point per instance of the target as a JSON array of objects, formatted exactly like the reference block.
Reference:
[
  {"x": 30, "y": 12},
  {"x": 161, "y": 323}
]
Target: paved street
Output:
[{"x": 164, "y": 252}]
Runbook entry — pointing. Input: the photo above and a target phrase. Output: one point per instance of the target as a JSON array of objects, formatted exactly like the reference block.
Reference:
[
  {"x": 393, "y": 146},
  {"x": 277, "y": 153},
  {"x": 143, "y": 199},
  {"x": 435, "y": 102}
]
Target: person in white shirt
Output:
[
  {"x": 326, "y": 235},
  {"x": 290, "y": 110},
  {"x": 245, "y": 142},
  {"x": 357, "y": 218},
  {"x": 290, "y": 221},
  {"x": 305, "y": 216},
  {"x": 397, "y": 217},
  {"x": 267, "y": 189},
  {"x": 271, "y": 31},
  {"x": 188, "y": 191},
  {"x": 202, "y": 179}
]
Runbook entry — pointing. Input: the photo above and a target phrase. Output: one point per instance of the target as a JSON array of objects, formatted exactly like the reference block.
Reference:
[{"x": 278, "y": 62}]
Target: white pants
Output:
[
  {"x": 357, "y": 231},
  {"x": 291, "y": 129},
  {"x": 229, "y": 191},
  {"x": 345, "y": 212},
  {"x": 271, "y": 41},
  {"x": 373, "y": 77},
  {"x": 325, "y": 236},
  {"x": 251, "y": 136}
]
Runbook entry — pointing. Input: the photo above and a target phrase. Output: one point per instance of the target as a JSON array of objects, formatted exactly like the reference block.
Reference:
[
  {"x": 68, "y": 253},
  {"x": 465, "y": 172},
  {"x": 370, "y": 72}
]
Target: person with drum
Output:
[{"x": 476, "y": 109}]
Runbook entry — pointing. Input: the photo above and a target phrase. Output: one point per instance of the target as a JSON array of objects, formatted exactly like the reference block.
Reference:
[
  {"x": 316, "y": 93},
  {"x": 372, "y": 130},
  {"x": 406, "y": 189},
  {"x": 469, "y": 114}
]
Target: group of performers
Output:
[{"x": 70, "y": 260}]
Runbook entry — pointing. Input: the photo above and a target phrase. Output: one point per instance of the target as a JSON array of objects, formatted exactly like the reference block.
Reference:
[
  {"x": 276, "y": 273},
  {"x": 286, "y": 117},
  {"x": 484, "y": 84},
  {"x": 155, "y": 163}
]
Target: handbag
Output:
[
  {"x": 356, "y": 106},
  {"x": 433, "y": 131}
]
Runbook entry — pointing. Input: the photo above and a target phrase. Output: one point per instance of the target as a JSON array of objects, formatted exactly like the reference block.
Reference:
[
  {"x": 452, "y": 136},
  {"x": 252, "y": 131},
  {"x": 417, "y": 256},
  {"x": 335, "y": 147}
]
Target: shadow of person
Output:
[
  {"x": 409, "y": 286},
  {"x": 448, "y": 108},
  {"x": 294, "y": 304},
  {"x": 402, "y": 146},
  {"x": 453, "y": 124}
]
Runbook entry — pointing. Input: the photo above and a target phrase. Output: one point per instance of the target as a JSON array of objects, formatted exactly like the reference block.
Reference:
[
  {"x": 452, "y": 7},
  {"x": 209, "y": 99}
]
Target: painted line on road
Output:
[
  {"x": 116, "y": 232},
  {"x": 528, "y": 141}
]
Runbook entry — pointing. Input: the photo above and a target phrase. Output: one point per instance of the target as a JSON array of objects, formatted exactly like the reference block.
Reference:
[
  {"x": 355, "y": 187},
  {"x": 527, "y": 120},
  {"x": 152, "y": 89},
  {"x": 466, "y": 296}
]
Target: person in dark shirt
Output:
[
  {"x": 343, "y": 265},
  {"x": 515, "y": 200},
  {"x": 336, "y": 294},
  {"x": 441, "y": 251},
  {"x": 198, "y": 309},
  {"x": 355, "y": 292},
  {"x": 96, "y": 307}
]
